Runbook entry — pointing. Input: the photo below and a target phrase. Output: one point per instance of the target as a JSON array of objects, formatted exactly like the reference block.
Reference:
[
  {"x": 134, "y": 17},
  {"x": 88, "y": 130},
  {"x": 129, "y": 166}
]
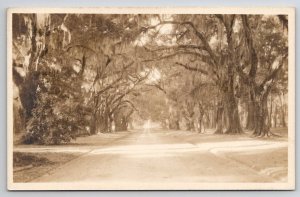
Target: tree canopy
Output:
[{"x": 80, "y": 74}]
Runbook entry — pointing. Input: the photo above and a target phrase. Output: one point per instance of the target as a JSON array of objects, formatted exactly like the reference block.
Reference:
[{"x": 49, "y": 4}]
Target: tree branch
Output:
[
  {"x": 197, "y": 33},
  {"x": 284, "y": 20},
  {"x": 197, "y": 69},
  {"x": 203, "y": 58},
  {"x": 273, "y": 74},
  {"x": 249, "y": 41}
]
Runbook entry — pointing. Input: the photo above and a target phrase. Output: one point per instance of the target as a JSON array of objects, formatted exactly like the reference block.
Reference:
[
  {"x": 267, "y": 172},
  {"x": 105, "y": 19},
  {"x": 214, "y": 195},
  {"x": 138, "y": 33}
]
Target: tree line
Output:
[{"x": 79, "y": 74}]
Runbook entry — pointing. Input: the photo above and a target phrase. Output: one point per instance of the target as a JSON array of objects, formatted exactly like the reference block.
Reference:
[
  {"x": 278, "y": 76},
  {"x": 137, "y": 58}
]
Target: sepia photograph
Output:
[{"x": 151, "y": 98}]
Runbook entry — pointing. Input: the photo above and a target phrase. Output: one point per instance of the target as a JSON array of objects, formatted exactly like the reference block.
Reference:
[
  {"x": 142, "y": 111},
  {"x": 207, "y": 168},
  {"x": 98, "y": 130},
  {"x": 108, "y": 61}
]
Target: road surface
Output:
[{"x": 157, "y": 156}]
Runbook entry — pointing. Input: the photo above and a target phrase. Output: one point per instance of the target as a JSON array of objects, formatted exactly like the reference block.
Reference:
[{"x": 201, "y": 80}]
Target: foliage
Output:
[
  {"x": 59, "y": 113},
  {"x": 81, "y": 74}
]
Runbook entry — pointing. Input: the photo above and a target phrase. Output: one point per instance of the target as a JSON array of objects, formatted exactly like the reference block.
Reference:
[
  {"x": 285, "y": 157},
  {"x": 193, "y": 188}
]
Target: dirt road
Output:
[{"x": 160, "y": 156}]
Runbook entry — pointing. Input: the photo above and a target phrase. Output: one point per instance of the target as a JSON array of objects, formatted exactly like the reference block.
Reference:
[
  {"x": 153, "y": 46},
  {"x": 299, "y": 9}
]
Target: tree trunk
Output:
[
  {"x": 219, "y": 119},
  {"x": 109, "y": 125},
  {"x": 105, "y": 124},
  {"x": 283, "y": 117},
  {"x": 201, "y": 125},
  {"x": 270, "y": 113},
  {"x": 212, "y": 121},
  {"x": 190, "y": 124},
  {"x": 234, "y": 125},
  {"x": 261, "y": 125},
  {"x": 261, "y": 117},
  {"x": 282, "y": 110},
  {"x": 251, "y": 115},
  {"x": 124, "y": 124},
  {"x": 102, "y": 124},
  {"x": 174, "y": 121},
  {"x": 189, "y": 115},
  {"x": 275, "y": 117},
  {"x": 30, "y": 84},
  {"x": 175, "y": 125},
  {"x": 213, "y": 116},
  {"x": 93, "y": 125}
]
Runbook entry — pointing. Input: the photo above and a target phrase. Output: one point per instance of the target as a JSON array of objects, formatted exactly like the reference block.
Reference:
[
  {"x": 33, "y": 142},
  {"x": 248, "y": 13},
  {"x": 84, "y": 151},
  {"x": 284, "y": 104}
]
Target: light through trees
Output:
[{"x": 81, "y": 74}]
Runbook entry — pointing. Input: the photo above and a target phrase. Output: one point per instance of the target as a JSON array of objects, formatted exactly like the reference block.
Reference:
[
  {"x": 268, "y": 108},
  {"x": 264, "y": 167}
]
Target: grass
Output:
[
  {"x": 29, "y": 166},
  {"x": 29, "y": 159},
  {"x": 264, "y": 161}
]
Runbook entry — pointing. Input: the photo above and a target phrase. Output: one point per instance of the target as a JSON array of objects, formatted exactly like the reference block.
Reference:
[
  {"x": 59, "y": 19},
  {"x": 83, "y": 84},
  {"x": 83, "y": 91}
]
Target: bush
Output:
[{"x": 57, "y": 112}]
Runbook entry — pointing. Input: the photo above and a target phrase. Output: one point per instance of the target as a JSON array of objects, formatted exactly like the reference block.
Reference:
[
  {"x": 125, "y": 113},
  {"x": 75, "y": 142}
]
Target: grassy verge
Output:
[
  {"x": 29, "y": 166},
  {"x": 270, "y": 162}
]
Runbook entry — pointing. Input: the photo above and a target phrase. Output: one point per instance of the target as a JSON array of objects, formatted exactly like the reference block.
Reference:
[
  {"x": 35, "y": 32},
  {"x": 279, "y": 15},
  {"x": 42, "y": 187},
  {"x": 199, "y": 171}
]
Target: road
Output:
[{"x": 157, "y": 156}]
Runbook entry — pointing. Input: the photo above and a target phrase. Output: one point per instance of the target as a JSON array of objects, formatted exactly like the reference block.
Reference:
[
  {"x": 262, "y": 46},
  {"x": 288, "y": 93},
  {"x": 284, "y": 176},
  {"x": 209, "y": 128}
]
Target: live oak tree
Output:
[
  {"x": 84, "y": 74},
  {"x": 50, "y": 91},
  {"x": 214, "y": 43},
  {"x": 217, "y": 61},
  {"x": 109, "y": 43},
  {"x": 265, "y": 55},
  {"x": 59, "y": 53},
  {"x": 33, "y": 46}
]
